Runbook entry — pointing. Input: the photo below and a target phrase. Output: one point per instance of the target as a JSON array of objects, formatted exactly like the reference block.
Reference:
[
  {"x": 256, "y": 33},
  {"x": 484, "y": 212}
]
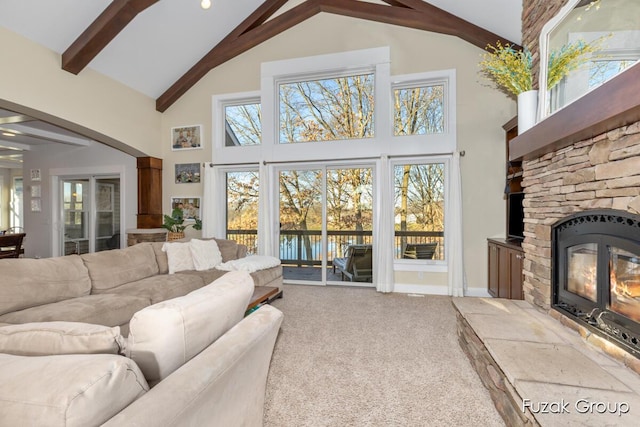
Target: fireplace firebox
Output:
[{"x": 596, "y": 273}]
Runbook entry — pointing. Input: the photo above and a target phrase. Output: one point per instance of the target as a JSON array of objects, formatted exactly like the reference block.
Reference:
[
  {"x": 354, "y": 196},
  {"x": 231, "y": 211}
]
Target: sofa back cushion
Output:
[
  {"x": 161, "y": 257},
  {"x": 52, "y": 338},
  {"x": 110, "y": 269},
  {"x": 72, "y": 390},
  {"x": 32, "y": 282},
  {"x": 164, "y": 336},
  {"x": 229, "y": 250}
]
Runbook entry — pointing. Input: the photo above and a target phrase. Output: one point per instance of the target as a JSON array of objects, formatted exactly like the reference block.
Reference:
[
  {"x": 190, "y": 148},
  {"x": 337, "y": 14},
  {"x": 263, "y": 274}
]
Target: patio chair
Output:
[
  {"x": 11, "y": 245},
  {"x": 419, "y": 250},
  {"x": 356, "y": 265}
]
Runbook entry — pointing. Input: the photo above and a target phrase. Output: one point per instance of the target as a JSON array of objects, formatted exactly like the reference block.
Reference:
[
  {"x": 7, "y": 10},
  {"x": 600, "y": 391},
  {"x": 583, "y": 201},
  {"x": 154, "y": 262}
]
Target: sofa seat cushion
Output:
[
  {"x": 107, "y": 310},
  {"x": 268, "y": 277},
  {"x": 110, "y": 269},
  {"x": 71, "y": 390},
  {"x": 32, "y": 282},
  {"x": 52, "y": 338},
  {"x": 160, "y": 287},
  {"x": 207, "y": 276},
  {"x": 164, "y": 336}
]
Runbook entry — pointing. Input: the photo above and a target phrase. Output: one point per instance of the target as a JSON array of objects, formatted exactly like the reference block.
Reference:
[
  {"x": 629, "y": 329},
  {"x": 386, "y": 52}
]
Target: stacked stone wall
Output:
[
  {"x": 535, "y": 14},
  {"x": 599, "y": 173}
]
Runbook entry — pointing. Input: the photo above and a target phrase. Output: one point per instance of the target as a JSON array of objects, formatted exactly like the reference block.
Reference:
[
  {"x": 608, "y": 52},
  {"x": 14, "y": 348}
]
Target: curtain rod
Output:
[{"x": 276, "y": 162}]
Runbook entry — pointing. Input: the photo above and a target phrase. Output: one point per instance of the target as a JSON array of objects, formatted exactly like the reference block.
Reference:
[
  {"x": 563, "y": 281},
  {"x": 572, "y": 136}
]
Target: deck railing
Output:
[{"x": 304, "y": 247}]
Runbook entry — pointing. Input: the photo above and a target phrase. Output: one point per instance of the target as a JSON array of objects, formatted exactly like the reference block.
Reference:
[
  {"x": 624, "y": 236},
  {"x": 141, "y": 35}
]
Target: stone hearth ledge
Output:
[{"x": 527, "y": 358}]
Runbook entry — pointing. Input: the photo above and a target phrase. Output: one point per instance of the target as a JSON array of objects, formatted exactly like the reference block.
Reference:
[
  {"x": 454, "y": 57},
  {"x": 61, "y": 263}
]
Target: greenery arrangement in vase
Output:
[
  {"x": 508, "y": 68},
  {"x": 511, "y": 70},
  {"x": 176, "y": 225}
]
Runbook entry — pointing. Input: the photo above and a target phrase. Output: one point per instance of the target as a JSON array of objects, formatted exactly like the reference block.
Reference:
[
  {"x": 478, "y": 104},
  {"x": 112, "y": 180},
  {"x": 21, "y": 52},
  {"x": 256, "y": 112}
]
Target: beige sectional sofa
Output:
[
  {"x": 105, "y": 288},
  {"x": 111, "y": 338}
]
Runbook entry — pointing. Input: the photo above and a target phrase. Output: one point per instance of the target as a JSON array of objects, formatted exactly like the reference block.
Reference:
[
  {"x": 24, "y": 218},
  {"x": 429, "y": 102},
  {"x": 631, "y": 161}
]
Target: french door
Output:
[
  {"x": 325, "y": 211},
  {"x": 90, "y": 214}
]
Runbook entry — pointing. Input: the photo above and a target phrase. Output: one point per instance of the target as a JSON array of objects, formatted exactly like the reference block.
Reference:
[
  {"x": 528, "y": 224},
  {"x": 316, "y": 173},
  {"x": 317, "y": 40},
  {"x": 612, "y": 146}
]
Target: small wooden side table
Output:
[{"x": 263, "y": 295}]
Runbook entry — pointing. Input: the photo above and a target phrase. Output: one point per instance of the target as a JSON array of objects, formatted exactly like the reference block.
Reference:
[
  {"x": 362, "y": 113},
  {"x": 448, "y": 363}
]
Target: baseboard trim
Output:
[{"x": 437, "y": 290}]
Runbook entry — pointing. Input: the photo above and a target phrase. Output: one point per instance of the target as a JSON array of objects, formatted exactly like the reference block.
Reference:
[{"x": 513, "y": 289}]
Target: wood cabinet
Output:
[
  {"x": 505, "y": 256},
  {"x": 505, "y": 269}
]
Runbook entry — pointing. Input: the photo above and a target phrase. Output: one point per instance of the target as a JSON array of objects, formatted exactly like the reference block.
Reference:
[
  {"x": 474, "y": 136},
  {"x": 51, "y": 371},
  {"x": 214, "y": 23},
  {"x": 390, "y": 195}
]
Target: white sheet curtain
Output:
[
  {"x": 457, "y": 279},
  {"x": 212, "y": 216},
  {"x": 266, "y": 217},
  {"x": 383, "y": 226}
]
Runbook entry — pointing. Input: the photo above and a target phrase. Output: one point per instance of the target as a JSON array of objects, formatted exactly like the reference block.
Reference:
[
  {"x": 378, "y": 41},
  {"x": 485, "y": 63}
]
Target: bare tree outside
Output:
[{"x": 341, "y": 108}]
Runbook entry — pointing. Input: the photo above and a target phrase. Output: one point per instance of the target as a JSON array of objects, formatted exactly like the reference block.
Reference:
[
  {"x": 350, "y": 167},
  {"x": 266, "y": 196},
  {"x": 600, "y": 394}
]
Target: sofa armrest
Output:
[{"x": 223, "y": 385}]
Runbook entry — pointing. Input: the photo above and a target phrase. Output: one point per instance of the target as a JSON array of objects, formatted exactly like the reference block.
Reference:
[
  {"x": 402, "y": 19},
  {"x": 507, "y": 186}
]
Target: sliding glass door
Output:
[
  {"x": 90, "y": 214},
  {"x": 301, "y": 212},
  {"x": 326, "y": 214}
]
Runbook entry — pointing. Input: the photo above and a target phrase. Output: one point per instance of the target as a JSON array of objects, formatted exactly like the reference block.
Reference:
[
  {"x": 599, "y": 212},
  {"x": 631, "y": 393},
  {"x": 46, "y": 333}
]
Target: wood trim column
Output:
[{"x": 149, "y": 192}]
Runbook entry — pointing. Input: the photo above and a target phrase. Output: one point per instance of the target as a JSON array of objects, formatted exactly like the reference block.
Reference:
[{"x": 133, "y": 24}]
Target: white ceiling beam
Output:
[
  {"x": 46, "y": 135},
  {"x": 17, "y": 164},
  {"x": 4, "y": 143},
  {"x": 18, "y": 118}
]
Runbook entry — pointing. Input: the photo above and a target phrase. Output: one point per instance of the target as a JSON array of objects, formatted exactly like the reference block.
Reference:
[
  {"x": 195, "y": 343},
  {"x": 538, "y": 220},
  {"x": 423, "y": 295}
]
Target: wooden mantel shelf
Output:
[{"x": 612, "y": 105}]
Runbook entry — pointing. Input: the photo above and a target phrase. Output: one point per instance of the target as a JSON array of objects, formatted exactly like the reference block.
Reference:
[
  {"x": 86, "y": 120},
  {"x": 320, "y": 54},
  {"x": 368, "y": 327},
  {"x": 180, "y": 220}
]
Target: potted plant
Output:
[
  {"x": 176, "y": 225},
  {"x": 510, "y": 70}
]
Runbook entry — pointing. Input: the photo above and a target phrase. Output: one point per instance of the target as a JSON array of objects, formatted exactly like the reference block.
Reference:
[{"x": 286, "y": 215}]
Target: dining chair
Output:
[{"x": 11, "y": 245}]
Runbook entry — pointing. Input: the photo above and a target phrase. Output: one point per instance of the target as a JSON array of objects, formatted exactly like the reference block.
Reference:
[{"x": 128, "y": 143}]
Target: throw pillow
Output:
[
  {"x": 205, "y": 254},
  {"x": 55, "y": 338},
  {"x": 178, "y": 256}
]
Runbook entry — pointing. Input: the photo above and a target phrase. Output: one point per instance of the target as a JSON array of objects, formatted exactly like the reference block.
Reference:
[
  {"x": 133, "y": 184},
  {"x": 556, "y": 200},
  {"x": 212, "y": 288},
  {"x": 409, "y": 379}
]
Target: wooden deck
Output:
[{"x": 311, "y": 274}]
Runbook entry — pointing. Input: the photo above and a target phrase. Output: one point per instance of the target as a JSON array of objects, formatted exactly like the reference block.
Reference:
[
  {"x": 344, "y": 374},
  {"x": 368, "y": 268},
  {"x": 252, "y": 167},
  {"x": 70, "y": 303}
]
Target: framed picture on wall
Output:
[
  {"x": 186, "y": 138},
  {"x": 35, "y": 174},
  {"x": 190, "y": 206},
  {"x": 36, "y": 205},
  {"x": 187, "y": 173}
]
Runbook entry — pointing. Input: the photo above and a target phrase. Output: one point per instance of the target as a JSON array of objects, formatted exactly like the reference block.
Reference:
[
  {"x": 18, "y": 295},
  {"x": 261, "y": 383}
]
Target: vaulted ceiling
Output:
[{"x": 162, "y": 48}]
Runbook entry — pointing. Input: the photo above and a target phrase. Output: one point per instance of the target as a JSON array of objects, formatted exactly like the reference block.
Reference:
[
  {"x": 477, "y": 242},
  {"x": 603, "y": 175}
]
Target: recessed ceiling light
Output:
[
  {"x": 8, "y": 134},
  {"x": 205, "y": 4}
]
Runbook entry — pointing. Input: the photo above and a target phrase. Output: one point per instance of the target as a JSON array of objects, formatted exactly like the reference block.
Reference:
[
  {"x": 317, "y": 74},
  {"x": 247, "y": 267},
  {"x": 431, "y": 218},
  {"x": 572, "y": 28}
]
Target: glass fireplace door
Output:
[
  {"x": 624, "y": 283},
  {"x": 582, "y": 270}
]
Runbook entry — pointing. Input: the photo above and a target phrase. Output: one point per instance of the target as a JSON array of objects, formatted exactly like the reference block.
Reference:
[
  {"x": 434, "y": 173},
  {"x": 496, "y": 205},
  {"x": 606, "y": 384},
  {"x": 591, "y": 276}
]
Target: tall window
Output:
[
  {"x": 327, "y": 110},
  {"x": 242, "y": 207},
  {"x": 337, "y": 115},
  {"x": 419, "y": 211},
  {"x": 16, "y": 206}
]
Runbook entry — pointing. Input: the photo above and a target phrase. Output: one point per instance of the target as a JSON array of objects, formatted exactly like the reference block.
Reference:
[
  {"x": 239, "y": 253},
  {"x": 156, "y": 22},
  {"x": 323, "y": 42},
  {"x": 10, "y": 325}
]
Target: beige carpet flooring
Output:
[{"x": 355, "y": 357}]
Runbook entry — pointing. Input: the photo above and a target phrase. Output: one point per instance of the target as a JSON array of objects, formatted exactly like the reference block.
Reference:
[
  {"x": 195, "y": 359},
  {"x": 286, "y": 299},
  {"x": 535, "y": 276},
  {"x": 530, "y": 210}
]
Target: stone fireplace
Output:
[
  {"x": 562, "y": 188},
  {"x": 596, "y": 273}
]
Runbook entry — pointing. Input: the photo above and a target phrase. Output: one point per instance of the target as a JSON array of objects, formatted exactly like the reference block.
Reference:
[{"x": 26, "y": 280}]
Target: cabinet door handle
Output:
[{"x": 519, "y": 256}]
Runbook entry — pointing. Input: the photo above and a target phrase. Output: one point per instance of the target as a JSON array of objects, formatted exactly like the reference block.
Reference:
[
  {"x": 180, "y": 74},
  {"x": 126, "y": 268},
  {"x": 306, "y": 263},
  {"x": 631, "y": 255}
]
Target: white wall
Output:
[
  {"x": 481, "y": 113},
  {"x": 31, "y": 76}
]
